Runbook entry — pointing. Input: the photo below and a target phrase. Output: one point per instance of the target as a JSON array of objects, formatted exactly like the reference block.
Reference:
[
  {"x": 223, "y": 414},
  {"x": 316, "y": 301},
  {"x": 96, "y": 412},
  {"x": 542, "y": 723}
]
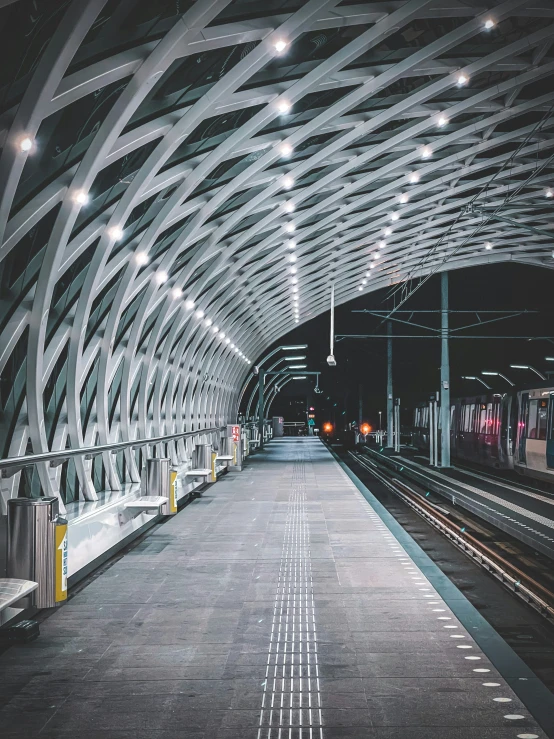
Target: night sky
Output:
[{"x": 417, "y": 361}]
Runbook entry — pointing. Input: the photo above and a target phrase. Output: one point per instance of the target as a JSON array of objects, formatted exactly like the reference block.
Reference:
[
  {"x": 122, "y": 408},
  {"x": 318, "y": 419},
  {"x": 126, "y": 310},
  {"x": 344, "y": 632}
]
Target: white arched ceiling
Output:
[{"x": 156, "y": 158}]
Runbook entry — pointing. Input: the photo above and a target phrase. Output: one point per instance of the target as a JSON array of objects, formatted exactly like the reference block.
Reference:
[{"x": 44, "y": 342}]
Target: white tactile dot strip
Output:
[{"x": 291, "y": 700}]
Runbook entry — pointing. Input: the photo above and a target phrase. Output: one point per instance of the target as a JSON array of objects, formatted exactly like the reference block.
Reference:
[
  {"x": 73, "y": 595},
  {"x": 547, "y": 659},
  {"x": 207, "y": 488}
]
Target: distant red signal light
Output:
[
  {"x": 365, "y": 428},
  {"x": 328, "y": 427}
]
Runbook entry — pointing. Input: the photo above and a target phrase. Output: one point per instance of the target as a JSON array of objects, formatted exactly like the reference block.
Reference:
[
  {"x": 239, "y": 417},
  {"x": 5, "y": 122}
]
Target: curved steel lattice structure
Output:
[{"x": 158, "y": 156}]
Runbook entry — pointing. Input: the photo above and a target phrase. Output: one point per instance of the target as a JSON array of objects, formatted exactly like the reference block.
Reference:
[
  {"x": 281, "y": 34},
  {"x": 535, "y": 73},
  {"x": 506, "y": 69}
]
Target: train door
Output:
[
  {"x": 522, "y": 428},
  {"x": 550, "y": 437},
  {"x": 508, "y": 420},
  {"x": 535, "y": 446}
]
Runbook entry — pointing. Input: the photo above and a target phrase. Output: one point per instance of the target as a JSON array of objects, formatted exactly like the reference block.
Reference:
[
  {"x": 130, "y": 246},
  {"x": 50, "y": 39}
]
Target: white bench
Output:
[
  {"x": 12, "y": 590},
  {"x": 198, "y": 473},
  {"x": 225, "y": 458},
  {"x": 146, "y": 503}
]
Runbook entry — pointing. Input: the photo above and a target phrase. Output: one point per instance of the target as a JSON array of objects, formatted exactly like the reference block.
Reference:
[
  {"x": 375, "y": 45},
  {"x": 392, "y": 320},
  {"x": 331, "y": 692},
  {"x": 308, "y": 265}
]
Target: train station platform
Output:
[{"x": 285, "y": 602}]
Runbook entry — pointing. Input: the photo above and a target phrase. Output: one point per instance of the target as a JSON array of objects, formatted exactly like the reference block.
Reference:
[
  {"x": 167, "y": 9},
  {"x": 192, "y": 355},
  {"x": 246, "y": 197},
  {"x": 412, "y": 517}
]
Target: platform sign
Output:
[
  {"x": 173, "y": 491},
  {"x": 235, "y": 433},
  {"x": 214, "y": 472},
  {"x": 61, "y": 562},
  {"x": 311, "y": 422}
]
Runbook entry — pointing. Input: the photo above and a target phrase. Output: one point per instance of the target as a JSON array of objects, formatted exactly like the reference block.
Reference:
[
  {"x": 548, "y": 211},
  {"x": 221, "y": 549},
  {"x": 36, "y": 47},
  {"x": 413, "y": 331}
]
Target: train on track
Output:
[{"x": 513, "y": 431}]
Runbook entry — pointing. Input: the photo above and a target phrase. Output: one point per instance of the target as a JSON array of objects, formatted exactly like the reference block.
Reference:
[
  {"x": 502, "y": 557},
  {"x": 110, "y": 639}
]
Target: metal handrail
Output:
[{"x": 93, "y": 451}]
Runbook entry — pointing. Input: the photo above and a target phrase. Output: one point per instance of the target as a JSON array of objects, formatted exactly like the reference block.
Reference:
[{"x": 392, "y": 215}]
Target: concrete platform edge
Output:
[{"x": 523, "y": 681}]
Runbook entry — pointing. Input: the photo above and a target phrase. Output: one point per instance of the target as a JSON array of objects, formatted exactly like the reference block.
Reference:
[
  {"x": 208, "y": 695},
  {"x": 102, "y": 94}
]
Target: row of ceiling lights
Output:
[
  {"x": 286, "y": 150},
  {"x": 284, "y": 106},
  {"x": 161, "y": 276}
]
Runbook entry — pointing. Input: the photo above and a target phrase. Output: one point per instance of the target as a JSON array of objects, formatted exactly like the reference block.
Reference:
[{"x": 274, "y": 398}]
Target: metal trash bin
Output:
[
  {"x": 204, "y": 460},
  {"x": 38, "y": 549},
  {"x": 161, "y": 480}
]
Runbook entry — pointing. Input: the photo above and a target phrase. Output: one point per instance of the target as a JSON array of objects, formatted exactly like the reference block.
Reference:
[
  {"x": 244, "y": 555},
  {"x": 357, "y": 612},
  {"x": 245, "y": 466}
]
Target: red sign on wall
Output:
[{"x": 235, "y": 433}]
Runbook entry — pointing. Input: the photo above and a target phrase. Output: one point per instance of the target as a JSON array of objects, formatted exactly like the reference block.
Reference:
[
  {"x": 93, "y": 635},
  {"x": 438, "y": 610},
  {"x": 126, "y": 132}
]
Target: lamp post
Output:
[
  {"x": 528, "y": 367},
  {"x": 498, "y": 374},
  {"x": 477, "y": 379}
]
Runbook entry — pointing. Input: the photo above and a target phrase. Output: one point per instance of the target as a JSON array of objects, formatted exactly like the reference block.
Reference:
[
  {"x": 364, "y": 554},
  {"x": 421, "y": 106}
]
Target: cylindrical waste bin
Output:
[
  {"x": 161, "y": 481},
  {"x": 203, "y": 461},
  {"x": 37, "y": 548}
]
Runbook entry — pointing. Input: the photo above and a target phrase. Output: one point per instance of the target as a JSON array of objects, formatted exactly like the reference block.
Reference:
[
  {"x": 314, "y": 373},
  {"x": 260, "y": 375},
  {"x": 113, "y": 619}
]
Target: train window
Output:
[
  {"x": 542, "y": 417},
  {"x": 468, "y": 417},
  {"x": 532, "y": 419}
]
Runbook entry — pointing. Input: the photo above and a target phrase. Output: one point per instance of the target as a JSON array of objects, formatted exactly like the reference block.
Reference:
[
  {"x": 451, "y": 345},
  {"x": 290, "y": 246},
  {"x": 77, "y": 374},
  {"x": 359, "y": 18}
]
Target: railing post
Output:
[{"x": 261, "y": 381}]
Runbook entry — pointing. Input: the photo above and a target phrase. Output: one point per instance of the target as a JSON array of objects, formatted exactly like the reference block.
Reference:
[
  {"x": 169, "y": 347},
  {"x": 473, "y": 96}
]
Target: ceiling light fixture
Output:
[
  {"x": 462, "y": 80},
  {"x": 285, "y": 149},
  {"x": 280, "y": 45},
  {"x": 283, "y": 106},
  {"x": 414, "y": 178},
  {"x": 81, "y": 197},
  {"x": 141, "y": 257},
  {"x": 26, "y": 144},
  {"x": 116, "y": 233}
]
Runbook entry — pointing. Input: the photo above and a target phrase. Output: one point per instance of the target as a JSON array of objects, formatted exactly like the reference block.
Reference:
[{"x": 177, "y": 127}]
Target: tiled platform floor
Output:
[{"x": 278, "y": 605}]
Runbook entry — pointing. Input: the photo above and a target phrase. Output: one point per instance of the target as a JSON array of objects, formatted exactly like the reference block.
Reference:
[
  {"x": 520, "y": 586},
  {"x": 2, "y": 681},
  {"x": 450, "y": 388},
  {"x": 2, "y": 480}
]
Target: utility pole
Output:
[
  {"x": 390, "y": 407},
  {"x": 261, "y": 382},
  {"x": 445, "y": 375}
]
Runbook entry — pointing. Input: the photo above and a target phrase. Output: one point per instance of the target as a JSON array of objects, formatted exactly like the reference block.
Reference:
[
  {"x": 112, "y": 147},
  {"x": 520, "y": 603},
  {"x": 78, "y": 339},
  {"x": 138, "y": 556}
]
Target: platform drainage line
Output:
[{"x": 291, "y": 699}]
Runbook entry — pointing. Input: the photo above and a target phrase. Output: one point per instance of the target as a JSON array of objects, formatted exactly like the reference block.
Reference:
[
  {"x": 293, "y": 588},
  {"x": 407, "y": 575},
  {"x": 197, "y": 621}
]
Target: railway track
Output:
[{"x": 466, "y": 533}]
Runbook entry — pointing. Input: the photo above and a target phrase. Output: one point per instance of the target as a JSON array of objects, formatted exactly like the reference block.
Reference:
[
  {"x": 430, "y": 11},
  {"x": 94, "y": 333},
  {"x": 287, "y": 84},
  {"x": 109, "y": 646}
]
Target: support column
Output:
[
  {"x": 261, "y": 382},
  {"x": 390, "y": 407},
  {"x": 445, "y": 375}
]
